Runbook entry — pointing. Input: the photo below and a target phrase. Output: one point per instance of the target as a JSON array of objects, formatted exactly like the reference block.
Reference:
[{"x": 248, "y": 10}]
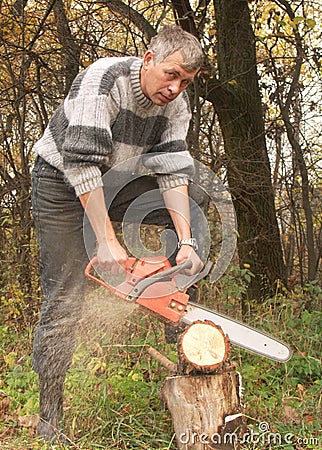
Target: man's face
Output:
[{"x": 164, "y": 81}]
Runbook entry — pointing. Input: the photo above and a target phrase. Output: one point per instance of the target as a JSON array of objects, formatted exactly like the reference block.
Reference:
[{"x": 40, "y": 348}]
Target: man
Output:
[{"x": 116, "y": 109}]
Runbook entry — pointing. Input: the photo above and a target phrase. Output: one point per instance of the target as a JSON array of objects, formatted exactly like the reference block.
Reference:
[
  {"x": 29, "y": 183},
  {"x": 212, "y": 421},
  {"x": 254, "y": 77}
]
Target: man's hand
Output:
[
  {"x": 111, "y": 256},
  {"x": 177, "y": 202},
  {"x": 187, "y": 252}
]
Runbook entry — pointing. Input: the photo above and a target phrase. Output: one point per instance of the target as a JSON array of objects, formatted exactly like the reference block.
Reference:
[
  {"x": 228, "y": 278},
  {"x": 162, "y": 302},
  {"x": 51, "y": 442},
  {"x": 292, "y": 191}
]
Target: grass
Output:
[{"x": 112, "y": 389}]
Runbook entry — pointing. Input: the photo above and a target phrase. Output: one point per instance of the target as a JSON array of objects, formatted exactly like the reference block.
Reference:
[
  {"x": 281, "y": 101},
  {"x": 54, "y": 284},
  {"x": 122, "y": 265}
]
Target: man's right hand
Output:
[{"x": 112, "y": 257}]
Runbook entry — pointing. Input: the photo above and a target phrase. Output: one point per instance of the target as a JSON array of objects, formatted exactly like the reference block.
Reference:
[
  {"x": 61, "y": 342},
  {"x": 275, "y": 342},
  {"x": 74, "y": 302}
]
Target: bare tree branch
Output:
[
  {"x": 129, "y": 13},
  {"x": 186, "y": 16}
]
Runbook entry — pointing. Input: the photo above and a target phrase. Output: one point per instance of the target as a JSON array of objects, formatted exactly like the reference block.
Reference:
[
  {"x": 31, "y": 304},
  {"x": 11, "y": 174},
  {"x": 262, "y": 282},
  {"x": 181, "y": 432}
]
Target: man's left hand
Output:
[{"x": 187, "y": 252}]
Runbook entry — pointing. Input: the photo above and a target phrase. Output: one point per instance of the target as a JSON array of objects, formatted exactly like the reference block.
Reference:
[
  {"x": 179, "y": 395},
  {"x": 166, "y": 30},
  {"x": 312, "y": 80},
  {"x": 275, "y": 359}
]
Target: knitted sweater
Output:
[{"x": 106, "y": 119}]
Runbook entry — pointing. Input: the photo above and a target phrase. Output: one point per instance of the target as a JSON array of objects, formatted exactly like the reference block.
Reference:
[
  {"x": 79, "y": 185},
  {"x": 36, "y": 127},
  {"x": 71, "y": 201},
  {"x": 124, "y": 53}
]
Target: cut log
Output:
[
  {"x": 204, "y": 346},
  {"x": 206, "y": 410}
]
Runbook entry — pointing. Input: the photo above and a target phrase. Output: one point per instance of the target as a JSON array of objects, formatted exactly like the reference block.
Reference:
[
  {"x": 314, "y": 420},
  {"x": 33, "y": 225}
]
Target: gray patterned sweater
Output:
[{"x": 106, "y": 119}]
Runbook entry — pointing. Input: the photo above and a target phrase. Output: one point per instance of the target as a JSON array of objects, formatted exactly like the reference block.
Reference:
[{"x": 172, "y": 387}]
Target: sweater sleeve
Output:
[
  {"x": 170, "y": 159},
  {"x": 88, "y": 140}
]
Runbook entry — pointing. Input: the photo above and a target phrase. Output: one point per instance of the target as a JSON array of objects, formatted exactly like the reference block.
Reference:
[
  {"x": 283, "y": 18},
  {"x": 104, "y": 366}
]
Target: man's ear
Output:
[{"x": 147, "y": 60}]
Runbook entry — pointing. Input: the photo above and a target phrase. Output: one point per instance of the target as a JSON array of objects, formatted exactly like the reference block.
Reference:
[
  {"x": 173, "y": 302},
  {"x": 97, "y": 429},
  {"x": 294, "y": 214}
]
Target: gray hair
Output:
[{"x": 172, "y": 39}]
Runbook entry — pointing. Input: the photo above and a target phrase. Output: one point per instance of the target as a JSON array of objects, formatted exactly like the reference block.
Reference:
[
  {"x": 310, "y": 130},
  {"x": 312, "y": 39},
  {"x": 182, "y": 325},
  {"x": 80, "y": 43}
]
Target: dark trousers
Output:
[{"x": 64, "y": 254}]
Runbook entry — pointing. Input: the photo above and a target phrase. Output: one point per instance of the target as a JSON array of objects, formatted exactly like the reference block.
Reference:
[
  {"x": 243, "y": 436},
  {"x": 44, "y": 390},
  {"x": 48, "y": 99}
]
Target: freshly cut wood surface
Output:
[{"x": 204, "y": 345}]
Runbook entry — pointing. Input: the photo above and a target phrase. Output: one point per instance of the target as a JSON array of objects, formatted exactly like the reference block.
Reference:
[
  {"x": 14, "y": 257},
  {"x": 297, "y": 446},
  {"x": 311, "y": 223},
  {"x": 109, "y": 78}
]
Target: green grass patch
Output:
[{"x": 112, "y": 389}]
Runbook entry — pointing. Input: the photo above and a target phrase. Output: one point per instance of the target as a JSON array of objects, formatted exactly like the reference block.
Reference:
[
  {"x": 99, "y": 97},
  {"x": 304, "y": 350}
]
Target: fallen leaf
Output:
[
  {"x": 4, "y": 405},
  {"x": 291, "y": 415},
  {"x": 28, "y": 421},
  {"x": 308, "y": 418}
]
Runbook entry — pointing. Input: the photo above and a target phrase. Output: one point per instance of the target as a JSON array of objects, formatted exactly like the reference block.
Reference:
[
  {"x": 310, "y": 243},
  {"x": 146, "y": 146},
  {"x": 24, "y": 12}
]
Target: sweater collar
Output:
[{"x": 142, "y": 100}]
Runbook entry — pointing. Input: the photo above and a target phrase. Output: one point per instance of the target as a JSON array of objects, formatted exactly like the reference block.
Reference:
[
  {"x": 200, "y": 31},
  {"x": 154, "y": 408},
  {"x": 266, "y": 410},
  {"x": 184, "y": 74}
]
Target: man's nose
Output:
[{"x": 175, "y": 87}]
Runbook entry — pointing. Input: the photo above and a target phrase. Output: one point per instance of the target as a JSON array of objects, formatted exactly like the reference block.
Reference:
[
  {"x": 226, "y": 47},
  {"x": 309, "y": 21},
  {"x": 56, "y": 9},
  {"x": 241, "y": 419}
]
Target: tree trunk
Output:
[
  {"x": 235, "y": 96},
  {"x": 128, "y": 13},
  {"x": 70, "y": 49},
  {"x": 23, "y": 203},
  {"x": 286, "y": 105},
  {"x": 292, "y": 131},
  {"x": 239, "y": 109}
]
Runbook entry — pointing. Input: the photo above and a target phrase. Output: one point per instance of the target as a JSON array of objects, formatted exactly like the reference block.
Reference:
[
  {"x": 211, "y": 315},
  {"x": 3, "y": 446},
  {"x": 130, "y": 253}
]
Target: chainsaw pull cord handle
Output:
[{"x": 162, "y": 276}]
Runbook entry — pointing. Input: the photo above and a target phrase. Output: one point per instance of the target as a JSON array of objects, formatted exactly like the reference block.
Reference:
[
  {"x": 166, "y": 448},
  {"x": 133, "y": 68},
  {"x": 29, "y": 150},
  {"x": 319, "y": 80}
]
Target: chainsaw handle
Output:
[
  {"x": 174, "y": 269},
  {"x": 142, "y": 284},
  {"x": 161, "y": 276},
  {"x": 94, "y": 261}
]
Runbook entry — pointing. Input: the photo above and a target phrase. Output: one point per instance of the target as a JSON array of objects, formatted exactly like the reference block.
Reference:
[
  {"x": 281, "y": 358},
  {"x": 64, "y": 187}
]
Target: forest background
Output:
[{"x": 256, "y": 124}]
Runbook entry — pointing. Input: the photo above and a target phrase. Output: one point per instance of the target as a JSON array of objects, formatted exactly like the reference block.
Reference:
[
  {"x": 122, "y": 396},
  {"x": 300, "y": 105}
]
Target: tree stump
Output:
[
  {"x": 204, "y": 398},
  {"x": 205, "y": 409}
]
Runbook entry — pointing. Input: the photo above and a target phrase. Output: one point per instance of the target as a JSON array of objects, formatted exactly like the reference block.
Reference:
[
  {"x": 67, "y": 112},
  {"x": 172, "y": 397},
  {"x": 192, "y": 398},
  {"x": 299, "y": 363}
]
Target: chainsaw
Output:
[{"x": 161, "y": 290}]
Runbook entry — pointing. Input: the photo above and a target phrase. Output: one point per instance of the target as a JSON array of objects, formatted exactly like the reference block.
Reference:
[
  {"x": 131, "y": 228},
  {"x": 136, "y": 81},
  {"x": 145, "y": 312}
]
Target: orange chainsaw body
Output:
[{"x": 161, "y": 299}]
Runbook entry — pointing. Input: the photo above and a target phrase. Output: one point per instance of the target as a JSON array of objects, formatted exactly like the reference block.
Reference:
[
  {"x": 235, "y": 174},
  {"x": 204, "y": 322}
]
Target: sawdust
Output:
[{"x": 105, "y": 316}]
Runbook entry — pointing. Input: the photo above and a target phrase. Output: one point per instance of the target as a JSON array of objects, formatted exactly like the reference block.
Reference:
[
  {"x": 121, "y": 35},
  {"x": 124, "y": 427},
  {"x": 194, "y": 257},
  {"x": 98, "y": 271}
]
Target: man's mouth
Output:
[{"x": 165, "y": 98}]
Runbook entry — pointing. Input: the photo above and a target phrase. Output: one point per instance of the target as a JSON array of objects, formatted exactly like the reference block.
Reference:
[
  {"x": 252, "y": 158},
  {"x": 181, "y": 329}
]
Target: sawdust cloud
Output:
[{"x": 104, "y": 317}]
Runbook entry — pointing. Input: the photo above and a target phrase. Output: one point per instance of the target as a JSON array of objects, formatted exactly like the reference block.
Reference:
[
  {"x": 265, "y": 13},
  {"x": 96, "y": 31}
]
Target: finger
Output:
[{"x": 196, "y": 267}]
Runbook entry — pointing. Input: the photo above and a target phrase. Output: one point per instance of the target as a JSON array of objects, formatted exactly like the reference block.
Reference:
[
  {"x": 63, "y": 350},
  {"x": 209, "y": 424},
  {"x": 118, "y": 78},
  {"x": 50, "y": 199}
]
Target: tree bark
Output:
[
  {"x": 185, "y": 15},
  {"x": 205, "y": 407},
  {"x": 71, "y": 50},
  {"x": 118, "y": 7},
  {"x": 238, "y": 105}
]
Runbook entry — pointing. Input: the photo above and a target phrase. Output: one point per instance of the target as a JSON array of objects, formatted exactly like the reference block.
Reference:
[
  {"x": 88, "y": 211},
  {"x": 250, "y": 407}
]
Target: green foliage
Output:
[
  {"x": 13, "y": 301},
  {"x": 112, "y": 389},
  {"x": 227, "y": 294},
  {"x": 234, "y": 283},
  {"x": 287, "y": 396}
]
